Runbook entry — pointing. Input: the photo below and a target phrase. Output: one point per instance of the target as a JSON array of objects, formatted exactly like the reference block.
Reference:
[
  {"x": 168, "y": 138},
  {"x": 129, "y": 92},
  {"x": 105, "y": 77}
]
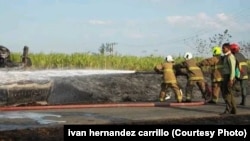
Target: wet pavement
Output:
[{"x": 21, "y": 119}]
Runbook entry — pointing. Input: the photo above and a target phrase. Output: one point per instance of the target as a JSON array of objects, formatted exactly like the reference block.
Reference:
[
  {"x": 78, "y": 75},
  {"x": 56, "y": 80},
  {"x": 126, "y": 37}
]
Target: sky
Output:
[{"x": 138, "y": 27}]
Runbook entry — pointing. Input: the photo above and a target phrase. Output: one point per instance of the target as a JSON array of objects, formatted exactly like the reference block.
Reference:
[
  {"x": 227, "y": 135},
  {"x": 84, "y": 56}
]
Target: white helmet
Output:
[
  {"x": 169, "y": 58},
  {"x": 188, "y": 56}
]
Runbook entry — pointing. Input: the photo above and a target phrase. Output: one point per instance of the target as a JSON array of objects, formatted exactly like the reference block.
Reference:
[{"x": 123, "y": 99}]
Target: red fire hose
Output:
[{"x": 108, "y": 105}]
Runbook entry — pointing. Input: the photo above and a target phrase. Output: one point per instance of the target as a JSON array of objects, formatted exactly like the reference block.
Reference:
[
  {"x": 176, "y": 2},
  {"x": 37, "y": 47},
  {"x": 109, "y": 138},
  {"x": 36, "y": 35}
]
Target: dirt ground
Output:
[{"x": 110, "y": 88}]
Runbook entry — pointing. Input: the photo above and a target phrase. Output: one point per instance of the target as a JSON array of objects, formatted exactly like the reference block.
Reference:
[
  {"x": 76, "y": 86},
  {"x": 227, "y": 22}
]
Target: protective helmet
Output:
[
  {"x": 169, "y": 58},
  {"x": 188, "y": 56},
  {"x": 234, "y": 47},
  {"x": 216, "y": 50}
]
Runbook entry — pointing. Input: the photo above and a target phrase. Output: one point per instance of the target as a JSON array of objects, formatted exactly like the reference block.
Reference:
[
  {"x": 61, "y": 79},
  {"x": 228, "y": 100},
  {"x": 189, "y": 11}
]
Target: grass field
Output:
[{"x": 94, "y": 61}]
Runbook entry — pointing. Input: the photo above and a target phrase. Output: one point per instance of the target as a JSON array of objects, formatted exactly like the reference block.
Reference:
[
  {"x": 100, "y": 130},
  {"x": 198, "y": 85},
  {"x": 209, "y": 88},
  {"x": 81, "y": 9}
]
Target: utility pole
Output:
[{"x": 110, "y": 49}]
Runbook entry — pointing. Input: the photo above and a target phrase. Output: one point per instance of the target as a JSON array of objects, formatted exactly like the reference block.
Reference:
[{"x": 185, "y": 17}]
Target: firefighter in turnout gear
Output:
[
  {"x": 216, "y": 64},
  {"x": 194, "y": 76},
  {"x": 241, "y": 63},
  {"x": 169, "y": 79}
]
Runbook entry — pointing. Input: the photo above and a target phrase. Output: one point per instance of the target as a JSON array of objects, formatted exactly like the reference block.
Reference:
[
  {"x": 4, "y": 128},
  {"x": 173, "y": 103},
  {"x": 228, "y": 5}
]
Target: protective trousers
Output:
[
  {"x": 175, "y": 87},
  {"x": 190, "y": 86},
  {"x": 216, "y": 90},
  {"x": 243, "y": 88}
]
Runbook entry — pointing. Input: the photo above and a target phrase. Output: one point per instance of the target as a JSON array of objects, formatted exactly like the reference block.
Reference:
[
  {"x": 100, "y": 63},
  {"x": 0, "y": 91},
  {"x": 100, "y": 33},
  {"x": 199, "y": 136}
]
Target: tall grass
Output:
[
  {"x": 89, "y": 61},
  {"x": 93, "y": 61}
]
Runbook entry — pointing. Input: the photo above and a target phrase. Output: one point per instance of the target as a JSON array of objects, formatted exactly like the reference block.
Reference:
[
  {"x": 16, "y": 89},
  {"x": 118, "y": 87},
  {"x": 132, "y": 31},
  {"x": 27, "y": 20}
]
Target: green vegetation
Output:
[
  {"x": 89, "y": 61},
  {"x": 92, "y": 61},
  {"x": 108, "y": 59}
]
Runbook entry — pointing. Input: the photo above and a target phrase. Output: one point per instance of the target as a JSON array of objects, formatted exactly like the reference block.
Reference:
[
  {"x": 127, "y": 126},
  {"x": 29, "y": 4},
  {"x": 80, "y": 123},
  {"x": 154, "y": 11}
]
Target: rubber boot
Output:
[
  {"x": 179, "y": 97},
  {"x": 162, "y": 96},
  {"x": 188, "y": 98},
  {"x": 243, "y": 101}
]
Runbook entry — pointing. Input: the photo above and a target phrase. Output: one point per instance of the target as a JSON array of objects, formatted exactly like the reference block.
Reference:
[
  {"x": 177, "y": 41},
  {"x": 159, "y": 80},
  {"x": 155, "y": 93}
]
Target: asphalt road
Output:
[{"x": 130, "y": 113}]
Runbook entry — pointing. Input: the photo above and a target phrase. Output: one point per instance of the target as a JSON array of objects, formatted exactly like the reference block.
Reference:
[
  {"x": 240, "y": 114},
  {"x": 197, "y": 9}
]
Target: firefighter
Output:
[
  {"x": 194, "y": 76},
  {"x": 169, "y": 79},
  {"x": 215, "y": 63},
  {"x": 242, "y": 78}
]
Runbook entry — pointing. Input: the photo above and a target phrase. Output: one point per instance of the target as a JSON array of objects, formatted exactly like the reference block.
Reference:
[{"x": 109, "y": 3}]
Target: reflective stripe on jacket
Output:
[
  {"x": 168, "y": 72},
  {"x": 216, "y": 65},
  {"x": 194, "y": 72}
]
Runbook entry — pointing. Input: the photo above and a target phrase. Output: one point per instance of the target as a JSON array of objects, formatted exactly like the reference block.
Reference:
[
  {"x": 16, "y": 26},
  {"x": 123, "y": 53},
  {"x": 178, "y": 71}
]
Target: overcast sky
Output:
[{"x": 139, "y": 27}]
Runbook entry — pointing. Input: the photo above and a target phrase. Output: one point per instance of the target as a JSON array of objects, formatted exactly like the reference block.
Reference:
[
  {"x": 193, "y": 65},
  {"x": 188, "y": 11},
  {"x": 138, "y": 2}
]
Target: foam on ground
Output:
[{"x": 37, "y": 75}]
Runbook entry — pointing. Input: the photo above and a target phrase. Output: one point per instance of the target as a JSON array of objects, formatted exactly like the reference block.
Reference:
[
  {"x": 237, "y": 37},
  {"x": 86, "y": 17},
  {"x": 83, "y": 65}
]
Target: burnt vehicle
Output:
[
  {"x": 6, "y": 62},
  {"x": 21, "y": 92}
]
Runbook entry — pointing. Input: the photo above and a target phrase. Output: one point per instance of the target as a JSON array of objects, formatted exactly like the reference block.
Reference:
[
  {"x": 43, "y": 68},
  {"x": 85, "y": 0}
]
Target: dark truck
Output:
[{"x": 24, "y": 92}]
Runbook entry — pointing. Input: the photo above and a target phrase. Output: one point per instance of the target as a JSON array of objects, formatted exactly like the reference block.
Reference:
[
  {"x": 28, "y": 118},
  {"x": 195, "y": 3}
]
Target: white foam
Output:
[
  {"x": 38, "y": 117},
  {"x": 17, "y": 75}
]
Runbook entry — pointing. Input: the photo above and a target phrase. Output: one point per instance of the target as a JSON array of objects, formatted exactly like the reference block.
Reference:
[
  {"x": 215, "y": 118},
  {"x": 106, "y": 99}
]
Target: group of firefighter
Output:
[{"x": 228, "y": 66}]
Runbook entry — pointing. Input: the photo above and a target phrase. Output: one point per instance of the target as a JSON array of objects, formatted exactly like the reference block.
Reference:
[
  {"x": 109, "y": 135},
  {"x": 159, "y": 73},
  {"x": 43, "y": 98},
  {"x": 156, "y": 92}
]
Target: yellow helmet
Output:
[{"x": 216, "y": 50}]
